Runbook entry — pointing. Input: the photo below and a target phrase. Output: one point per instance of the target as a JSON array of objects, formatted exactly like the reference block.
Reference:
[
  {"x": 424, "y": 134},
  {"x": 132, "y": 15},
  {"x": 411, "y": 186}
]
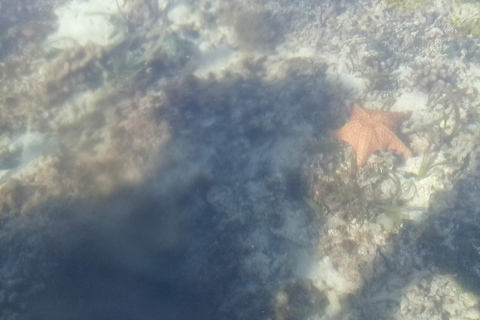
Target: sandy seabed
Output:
[{"x": 170, "y": 160}]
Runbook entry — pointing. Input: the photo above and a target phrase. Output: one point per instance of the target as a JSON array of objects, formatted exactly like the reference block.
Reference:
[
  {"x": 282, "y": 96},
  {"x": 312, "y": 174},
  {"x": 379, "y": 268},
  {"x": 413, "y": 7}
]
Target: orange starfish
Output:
[{"x": 369, "y": 131}]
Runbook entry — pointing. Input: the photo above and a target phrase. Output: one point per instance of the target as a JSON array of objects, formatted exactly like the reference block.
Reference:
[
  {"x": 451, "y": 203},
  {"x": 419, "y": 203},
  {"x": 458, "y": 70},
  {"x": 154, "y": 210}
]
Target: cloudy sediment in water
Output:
[{"x": 175, "y": 160}]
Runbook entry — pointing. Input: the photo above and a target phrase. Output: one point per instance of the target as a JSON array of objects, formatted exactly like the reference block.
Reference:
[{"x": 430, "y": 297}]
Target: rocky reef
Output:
[{"x": 172, "y": 158}]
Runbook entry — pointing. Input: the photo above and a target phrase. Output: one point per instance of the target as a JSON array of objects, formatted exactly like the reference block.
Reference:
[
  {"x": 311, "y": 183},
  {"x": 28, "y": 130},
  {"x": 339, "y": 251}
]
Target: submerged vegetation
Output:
[
  {"x": 409, "y": 4},
  {"x": 431, "y": 152},
  {"x": 465, "y": 16},
  {"x": 73, "y": 86},
  {"x": 233, "y": 145}
]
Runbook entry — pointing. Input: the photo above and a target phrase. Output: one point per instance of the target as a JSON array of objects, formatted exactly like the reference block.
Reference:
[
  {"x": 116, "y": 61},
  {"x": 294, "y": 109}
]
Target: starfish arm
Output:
[
  {"x": 366, "y": 146},
  {"x": 361, "y": 137},
  {"x": 349, "y": 132},
  {"x": 360, "y": 113},
  {"x": 370, "y": 130},
  {"x": 390, "y": 119},
  {"x": 389, "y": 141}
]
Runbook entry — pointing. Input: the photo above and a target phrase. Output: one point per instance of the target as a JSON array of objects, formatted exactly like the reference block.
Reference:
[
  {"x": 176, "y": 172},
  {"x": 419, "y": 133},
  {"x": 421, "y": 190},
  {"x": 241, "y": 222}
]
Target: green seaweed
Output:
[
  {"x": 429, "y": 155},
  {"x": 456, "y": 112},
  {"x": 408, "y": 4},
  {"x": 465, "y": 16},
  {"x": 314, "y": 206},
  {"x": 428, "y": 160},
  {"x": 395, "y": 213},
  {"x": 398, "y": 186},
  {"x": 387, "y": 104},
  {"x": 376, "y": 75},
  {"x": 465, "y": 164}
]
